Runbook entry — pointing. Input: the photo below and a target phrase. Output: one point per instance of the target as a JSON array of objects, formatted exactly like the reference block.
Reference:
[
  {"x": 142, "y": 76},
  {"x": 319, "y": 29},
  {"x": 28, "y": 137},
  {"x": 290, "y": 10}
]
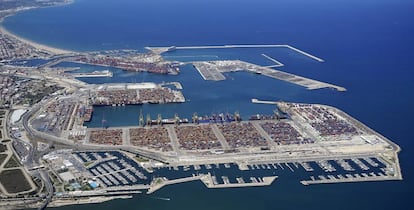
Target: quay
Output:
[
  {"x": 209, "y": 71},
  {"x": 120, "y": 94},
  {"x": 212, "y": 70},
  {"x": 176, "y": 84},
  {"x": 104, "y": 73},
  {"x": 211, "y": 183}
]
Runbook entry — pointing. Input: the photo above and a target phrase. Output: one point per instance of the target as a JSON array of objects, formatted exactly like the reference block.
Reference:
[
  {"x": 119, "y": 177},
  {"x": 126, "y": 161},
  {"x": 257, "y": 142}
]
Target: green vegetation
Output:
[
  {"x": 158, "y": 180},
  {"x": 67, "y": 187},
  {"x": 86, "y": 187},
  {"x": 54, "y": 178},
  {"x": 13, "y": 162},
  {"x": 88, "y": 164},
  {"x": 2, "y": 158},
  {"x": 33, "y": 96},
  {"x": 14, "y": 181},
  {"x": 141, "y": 159}
]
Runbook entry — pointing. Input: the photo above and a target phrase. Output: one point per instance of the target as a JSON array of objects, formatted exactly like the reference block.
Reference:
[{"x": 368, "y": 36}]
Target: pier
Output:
[
  {"x": 177, "y": 85},
  {"x": 347, "y": 178},
  {"x": 209, "y": 71},
  {"x": 212, "y": 70},
  {"x": 104, "y": 73},
  {"x": 210, "y": 182}
]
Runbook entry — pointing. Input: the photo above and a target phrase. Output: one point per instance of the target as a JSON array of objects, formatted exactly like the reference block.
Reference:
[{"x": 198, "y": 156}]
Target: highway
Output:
[{"x": 49, "y": 188}]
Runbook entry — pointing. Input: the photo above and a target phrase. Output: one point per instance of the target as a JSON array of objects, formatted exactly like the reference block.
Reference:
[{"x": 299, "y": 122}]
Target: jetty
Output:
[
  {"x": 277, "y": 63},
  {"x": 347, "y": 178},
  {"x": 160, "y": 50},
  {"x": 210, "y": 182},
  {"x": 161, "y": 182}
]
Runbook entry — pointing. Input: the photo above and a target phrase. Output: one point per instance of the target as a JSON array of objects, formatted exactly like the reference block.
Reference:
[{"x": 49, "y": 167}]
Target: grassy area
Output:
[
  {"x": 54, "y": 178},
  {"x": 13, "y": 162},
  {"x": 159, "y": 180},
  {"x": 141, "y": 159},
  {"x": 86, "y": 187},
  {"x": 2, "y": 158},
  {"x": 88, "y": 164},
  {"x": 14, "y": 181}
]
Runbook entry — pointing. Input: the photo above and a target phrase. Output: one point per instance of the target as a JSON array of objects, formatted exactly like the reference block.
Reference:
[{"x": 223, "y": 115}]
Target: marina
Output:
[{"x": 225, "y": 175}]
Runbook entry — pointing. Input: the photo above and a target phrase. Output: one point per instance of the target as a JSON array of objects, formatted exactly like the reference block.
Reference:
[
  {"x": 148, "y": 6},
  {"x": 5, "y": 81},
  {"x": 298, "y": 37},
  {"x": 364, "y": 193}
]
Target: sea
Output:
[{"x": 367, "y": 48}]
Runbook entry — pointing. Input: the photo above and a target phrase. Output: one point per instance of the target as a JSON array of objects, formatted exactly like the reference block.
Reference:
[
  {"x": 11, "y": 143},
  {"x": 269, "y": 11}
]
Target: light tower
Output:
[
  {"x": 149, "y": 119},
  {"x": 159, "y": 119},
  {"x": 195, "y": 118},
  {"x": 141, "y": 119}
]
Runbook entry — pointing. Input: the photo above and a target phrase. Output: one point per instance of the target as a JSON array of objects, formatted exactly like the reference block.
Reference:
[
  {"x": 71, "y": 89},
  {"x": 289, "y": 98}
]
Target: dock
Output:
[
  {"x": 212, "y": 70},
  {"x": 211, "y": 183},
  {"x": 104, "y": 73},
  {"x": 209, "y": 71},
  {"x": 177, "y": 85},
  {"x": 344, "y": 179}
]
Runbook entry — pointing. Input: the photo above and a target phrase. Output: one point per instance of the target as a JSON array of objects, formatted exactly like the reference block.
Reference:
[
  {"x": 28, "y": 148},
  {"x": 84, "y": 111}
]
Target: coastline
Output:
[{"x": 36, "y": 45}]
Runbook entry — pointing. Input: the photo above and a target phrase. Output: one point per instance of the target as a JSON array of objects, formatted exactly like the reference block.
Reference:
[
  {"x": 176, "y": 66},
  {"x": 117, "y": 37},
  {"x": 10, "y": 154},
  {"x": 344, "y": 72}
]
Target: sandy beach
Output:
[{"x": 33, "y": 44}]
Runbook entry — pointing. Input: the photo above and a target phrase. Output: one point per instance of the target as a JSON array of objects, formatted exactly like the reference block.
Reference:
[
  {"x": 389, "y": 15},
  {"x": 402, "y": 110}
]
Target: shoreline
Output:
[{"x": 36, "y": 45}]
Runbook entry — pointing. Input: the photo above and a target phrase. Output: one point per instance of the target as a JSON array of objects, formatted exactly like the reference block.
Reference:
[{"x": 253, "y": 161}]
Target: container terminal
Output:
[
  {"x": 319, "y": 143},
  {"x": 322, "y": 143},
  {"x": 326, "y": 143},
  {"x": 213, "y": 70}
]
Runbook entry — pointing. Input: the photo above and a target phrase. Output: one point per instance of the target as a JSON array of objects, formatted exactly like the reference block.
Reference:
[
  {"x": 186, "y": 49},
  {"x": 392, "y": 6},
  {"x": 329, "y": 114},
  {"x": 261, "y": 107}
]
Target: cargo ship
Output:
[
  {"x": 168, "y": 121},
  {"x": 263, "y": 117},
  {"x": 217, "y": 118}
]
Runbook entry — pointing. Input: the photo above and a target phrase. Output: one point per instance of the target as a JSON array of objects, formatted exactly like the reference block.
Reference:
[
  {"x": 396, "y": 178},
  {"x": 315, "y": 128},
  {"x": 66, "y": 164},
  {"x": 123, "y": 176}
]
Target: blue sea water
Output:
[{"x": 367, "y": 46}]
